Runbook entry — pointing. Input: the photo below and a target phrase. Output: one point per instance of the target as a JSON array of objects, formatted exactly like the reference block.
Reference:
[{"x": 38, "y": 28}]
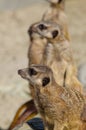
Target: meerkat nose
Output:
[
  {"x": 19, "y": 72},
  {"x": 30, "y": 31}
]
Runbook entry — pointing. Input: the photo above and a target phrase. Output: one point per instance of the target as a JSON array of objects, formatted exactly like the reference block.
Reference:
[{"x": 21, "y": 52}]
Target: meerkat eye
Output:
[
  {"x": 31, "y": 72},
  {"x": 55, "y": 33},
  {"x": 45, "y": 81},
  {"x": 42, "y": 27}
]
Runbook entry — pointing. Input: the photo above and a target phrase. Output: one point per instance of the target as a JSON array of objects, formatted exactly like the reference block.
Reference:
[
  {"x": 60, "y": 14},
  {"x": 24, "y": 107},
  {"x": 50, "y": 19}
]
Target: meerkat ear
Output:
[{"x": 45, "y": 81}]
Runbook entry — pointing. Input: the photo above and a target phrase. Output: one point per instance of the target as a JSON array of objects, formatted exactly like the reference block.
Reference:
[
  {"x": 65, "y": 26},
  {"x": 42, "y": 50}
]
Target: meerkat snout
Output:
[
  {"x": 30, "y": 31},
  {"x": 23, "y": 73}
]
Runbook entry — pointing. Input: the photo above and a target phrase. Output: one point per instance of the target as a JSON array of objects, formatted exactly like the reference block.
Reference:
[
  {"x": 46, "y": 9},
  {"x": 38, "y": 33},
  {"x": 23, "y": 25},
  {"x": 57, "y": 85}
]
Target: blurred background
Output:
[{"x": 15, "y": 18}]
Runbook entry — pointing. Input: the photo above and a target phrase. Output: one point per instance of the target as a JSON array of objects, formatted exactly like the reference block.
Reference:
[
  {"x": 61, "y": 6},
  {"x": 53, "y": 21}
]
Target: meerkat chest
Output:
[
  {"x": 47, "y": 103},
  {"x": 36, "y": 51},
  {"x": 56, "y": 62},
  {"x": 43, "y": 101},
  {"x": 52, "y": 55}
]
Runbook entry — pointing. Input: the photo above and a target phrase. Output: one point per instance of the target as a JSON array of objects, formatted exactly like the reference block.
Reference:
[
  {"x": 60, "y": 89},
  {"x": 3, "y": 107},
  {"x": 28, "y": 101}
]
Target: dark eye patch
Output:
[
  {"x": 45, "y": 81},
  {"x": 31, "y": 72},
  {"x": 55, "y": 33},
  {"x": 42, "y": 27}
]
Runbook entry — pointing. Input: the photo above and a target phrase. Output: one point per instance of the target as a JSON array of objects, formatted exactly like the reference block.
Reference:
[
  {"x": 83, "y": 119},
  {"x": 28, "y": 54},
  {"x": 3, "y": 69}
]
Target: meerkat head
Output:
[
  {"x": 33, "y": 34},
  {"x": 50, "y": 30},
  {"x": 37, "y": 75}
]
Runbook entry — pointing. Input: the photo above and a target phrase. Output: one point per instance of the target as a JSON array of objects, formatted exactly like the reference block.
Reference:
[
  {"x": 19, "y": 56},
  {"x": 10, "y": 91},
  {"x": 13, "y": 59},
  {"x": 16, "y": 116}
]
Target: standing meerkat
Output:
[
  {"x": 59, "y": 107},
  {"x": 37, "y": 46},
  {"x": 58, "y": 54}
]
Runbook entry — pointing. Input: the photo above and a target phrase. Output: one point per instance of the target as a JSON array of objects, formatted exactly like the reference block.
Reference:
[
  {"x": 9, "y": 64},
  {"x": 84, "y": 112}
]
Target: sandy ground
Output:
[{"x": 14, "y": 43}]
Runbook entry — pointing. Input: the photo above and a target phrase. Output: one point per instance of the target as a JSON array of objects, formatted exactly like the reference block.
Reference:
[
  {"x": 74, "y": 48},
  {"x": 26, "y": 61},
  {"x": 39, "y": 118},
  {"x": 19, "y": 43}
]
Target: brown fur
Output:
[{"x": 59, "y": 107}]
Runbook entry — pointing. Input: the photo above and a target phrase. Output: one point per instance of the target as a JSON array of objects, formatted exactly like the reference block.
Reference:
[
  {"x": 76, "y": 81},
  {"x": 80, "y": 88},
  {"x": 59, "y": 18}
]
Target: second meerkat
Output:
[{"x": 57, "y": 105}]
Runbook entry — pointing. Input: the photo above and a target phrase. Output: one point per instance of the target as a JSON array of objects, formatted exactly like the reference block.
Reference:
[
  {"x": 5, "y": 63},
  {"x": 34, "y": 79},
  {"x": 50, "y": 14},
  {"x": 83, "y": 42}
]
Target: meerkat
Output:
[
  {"x": 60, "y": 107},
  {"x": 58, "y": 54},
  {"x": 37, "y": 46}
]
